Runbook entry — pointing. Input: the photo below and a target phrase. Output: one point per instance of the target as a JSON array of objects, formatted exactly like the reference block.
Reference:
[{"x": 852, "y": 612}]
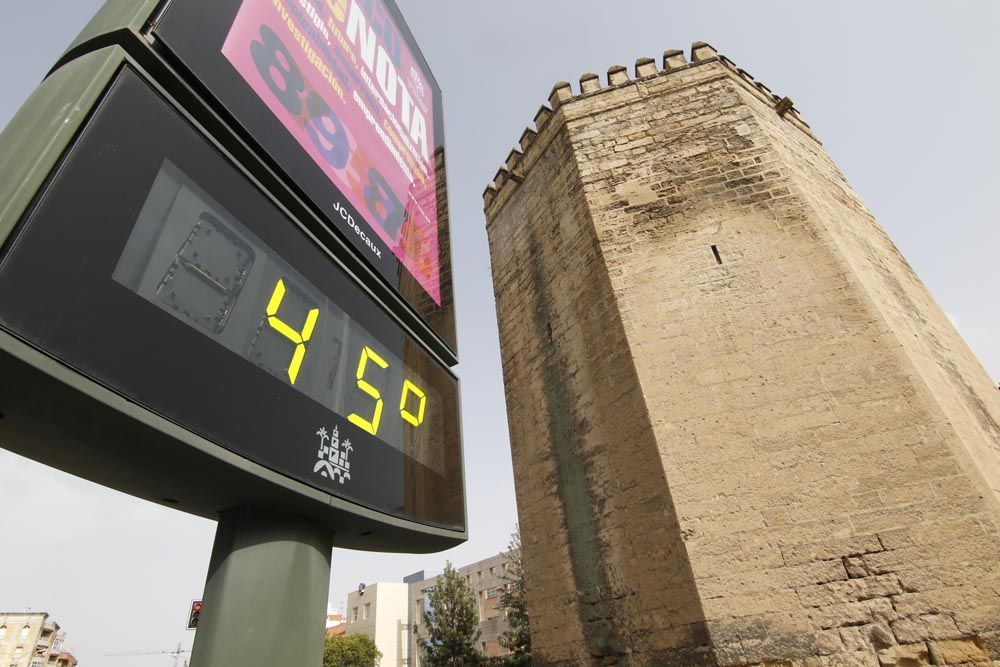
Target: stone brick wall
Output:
[{"x": 743, "y": 431}]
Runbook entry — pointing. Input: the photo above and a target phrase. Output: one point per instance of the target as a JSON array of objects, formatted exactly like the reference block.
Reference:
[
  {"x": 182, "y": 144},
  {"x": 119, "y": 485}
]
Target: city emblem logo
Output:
[{"x": 333, "y": 455}]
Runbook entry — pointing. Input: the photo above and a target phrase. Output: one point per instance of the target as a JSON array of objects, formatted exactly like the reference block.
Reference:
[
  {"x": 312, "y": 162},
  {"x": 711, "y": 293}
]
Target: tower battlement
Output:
[{"x": 645, "y": 69}]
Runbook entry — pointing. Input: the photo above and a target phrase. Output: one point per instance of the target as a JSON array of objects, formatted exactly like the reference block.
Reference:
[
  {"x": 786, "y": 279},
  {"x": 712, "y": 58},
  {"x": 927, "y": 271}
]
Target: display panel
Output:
[
  {"x": 155, "y": 267},
  {"x": 337, "y": 93},
  {"x": 189, "y": 256},
  {"x": 372, "y": 139}
]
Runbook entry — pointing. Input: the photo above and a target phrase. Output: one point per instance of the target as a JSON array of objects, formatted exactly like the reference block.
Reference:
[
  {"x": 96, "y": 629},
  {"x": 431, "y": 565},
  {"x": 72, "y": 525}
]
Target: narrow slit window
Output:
[{"x": 715, "y": 251}]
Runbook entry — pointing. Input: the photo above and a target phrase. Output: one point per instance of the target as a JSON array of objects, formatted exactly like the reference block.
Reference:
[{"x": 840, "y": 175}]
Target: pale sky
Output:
[{"x": 903, "y": 94}]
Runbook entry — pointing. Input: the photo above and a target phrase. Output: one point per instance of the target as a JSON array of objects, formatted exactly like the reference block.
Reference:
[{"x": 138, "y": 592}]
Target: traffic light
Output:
[{"x": 194, "y": 615}]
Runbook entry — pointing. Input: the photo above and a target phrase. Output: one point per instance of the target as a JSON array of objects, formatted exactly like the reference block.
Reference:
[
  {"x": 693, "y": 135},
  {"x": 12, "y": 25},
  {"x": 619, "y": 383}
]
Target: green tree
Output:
[
  {"x": 517, "y": 637},
  {"x": 351, "y": 651},
  {"x": 451, "y": 626}
]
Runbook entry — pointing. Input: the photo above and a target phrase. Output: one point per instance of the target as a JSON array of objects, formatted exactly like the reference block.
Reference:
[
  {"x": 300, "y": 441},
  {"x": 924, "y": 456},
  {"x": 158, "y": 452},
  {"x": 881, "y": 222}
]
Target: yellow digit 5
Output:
[
  {"x": 408, "y": 388},
  {"x": 358, "y": 420},
  {"x": 299, "y": 338}
]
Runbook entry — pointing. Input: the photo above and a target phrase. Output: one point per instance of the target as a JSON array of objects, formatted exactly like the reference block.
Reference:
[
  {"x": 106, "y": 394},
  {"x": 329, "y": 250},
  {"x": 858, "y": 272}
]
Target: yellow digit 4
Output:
[
  {"x": 358, "y": 420},
  {"x": 415, "y": 419},
  {"x": 299, "y": 338}
]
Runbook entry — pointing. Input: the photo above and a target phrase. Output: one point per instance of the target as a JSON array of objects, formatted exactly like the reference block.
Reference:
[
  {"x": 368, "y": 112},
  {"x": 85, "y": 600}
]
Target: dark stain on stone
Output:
[{"x": 578, "y": 503}]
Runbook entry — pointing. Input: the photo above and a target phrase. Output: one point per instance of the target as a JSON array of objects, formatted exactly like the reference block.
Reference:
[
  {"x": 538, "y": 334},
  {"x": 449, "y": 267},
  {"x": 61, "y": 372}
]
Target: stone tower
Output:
[{"x": 743, "y": 431}]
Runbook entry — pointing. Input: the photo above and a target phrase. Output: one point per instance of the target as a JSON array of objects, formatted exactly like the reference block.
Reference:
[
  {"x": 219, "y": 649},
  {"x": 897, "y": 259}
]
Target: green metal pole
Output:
[{"x": 266, "y": 594}]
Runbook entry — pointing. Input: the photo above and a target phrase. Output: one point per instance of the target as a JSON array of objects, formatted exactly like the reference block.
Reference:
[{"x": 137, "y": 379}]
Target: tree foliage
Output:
[
  {"x": 450, "y": 628},
  {"x": 351, "y": 651},
  {"x": 517, "y": 637}
]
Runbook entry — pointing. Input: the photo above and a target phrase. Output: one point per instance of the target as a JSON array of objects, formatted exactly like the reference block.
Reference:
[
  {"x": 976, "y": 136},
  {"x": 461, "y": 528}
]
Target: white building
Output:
[{"x": 379, "y": 611}]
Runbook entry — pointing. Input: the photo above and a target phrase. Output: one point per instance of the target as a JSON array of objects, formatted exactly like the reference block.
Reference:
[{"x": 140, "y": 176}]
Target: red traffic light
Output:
[{"x": 194, "y": 614}]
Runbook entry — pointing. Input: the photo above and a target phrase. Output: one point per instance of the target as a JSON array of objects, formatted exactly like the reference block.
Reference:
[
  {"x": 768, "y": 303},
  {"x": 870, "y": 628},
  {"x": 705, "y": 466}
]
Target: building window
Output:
[
  {"x": 493, "y": 571},
  {"x": 18, "y": 652},
  {"x": 493, "y": 592},
  {"x": 368, "y": 610},
  {"x": 24, "y": 633},
  {"x": 354, "y": 615},
  {"x": 37, "y": 663},
  {"x": 3, "y": 631}
]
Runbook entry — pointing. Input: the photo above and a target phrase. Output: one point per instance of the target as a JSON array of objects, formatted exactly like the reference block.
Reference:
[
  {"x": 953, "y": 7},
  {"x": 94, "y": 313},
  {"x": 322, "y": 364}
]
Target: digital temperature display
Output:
[
  {"x": 154, "y": 266},
  {"x": 191, "y": 257}
]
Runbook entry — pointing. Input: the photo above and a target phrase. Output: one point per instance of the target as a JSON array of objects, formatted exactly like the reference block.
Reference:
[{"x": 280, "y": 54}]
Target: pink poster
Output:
[{"x": 340, "y": 77}]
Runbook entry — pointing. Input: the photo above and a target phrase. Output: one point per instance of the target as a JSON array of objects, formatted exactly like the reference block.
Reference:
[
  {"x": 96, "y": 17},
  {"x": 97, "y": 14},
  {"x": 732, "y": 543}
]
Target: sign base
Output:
[{"x": 266, "y": 593}]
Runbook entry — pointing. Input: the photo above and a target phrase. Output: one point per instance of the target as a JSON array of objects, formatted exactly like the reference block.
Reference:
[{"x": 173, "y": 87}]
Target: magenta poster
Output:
[{"x": 340, "y": 78}]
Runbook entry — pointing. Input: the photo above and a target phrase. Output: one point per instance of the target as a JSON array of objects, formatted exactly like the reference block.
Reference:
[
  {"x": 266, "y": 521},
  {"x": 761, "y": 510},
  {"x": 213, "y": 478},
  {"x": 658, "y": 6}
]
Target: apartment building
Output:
[
  {"x": 32, "y": 639},
  {"x": 392, "y": 614},
  {"x": 486, "y": 578}
]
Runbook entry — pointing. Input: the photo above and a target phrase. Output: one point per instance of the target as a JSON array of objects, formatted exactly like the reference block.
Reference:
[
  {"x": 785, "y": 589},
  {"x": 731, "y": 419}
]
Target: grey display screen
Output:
[{"x": 193, "y": 259}]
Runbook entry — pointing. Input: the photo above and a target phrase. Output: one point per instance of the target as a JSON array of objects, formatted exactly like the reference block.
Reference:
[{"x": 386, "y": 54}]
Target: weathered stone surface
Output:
[
  {"x": 645, "y": 67},
  {"x": 673, "y": 59},
  {"x": 931, "y": 626},
  {"x": 617, "y": 75},
  {"x": 590, "y": 83},
  {"x": 856, "y": 567},
  {"x": 910, "y": 655},
  {"x": 743, "y": 431},
  {"x": 957, "y": 651}
]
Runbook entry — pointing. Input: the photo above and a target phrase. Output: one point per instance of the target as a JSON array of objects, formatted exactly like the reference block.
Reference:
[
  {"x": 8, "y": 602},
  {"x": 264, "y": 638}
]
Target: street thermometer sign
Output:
[{"x": 225, "y": 268}]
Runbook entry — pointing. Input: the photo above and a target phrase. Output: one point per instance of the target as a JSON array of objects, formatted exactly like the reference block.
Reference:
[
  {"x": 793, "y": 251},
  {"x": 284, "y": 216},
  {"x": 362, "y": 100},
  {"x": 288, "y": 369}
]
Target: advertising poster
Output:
[{"x": 339, "y": 77}]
